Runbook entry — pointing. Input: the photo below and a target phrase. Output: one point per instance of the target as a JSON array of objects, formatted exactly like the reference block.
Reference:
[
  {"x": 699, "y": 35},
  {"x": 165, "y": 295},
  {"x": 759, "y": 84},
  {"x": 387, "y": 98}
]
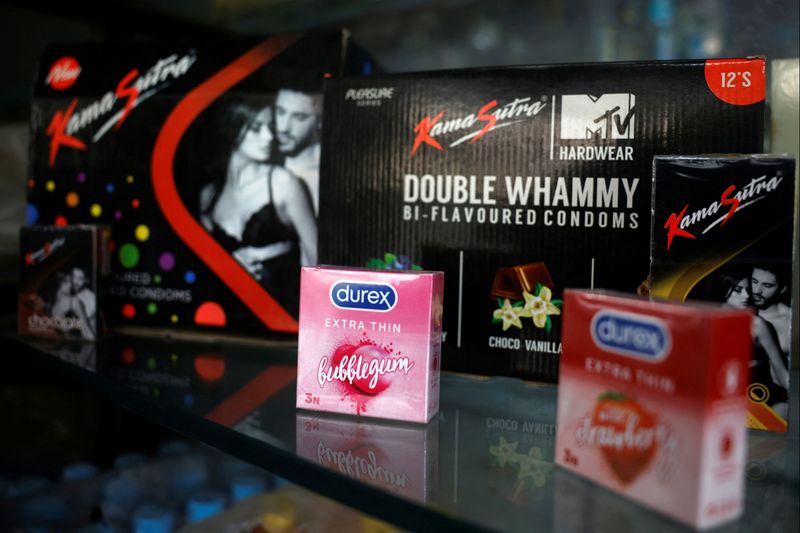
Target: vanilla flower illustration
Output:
[
  {"x": 508, "y": 315},
  {"x": 533, "y": 466},
  {"x": 540, "y": 306},
  {"x": 504, "y": 452}
]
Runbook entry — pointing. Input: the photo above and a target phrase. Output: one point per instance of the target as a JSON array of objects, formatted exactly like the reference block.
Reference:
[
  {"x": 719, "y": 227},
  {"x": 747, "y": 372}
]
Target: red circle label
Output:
[
  {"x": 736, "y": 81},
  {"x": 63, "y": 73}
]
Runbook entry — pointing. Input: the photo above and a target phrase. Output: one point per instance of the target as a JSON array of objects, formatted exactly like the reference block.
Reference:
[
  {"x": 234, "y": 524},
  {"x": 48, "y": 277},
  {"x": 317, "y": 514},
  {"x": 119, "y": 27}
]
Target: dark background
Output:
[
  {"x": 403, "y": 35},
  {"x": 52, "y": 423}
]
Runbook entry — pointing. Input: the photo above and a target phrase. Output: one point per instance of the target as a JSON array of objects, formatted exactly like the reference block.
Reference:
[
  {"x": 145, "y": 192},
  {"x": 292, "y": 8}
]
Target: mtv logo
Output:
[{"x": 608, "y": 116}]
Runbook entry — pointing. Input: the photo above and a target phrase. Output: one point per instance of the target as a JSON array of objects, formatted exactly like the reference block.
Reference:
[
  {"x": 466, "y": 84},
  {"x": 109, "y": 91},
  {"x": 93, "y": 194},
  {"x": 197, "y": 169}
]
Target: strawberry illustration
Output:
[{"x": 626, "y": 434}]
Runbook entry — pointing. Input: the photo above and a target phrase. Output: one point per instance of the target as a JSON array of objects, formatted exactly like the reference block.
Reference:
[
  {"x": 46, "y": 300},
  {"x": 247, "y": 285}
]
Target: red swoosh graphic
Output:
[
  {"x": 249, "y": 291},
  {"x": 261, "y": 388},
  {"x": 766, "y": 417}
]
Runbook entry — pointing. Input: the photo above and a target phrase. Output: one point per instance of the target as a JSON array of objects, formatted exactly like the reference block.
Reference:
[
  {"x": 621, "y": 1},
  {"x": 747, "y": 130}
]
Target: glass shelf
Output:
[{"x": 448, "y": 475}]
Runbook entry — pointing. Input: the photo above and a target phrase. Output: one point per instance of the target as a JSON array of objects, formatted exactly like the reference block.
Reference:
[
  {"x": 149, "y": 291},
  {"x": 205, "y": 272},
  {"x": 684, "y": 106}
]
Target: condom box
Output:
[
  {"x": 517, "y": 183},
  {"x": 651, "y": 402},
  {"x": 396, "y": 457},
  {"x": 64, "y": 273},
  {"x": 370, "y": 342},
  {"x": 152, "y": 139},
  {"x": 725, "y": 230}
]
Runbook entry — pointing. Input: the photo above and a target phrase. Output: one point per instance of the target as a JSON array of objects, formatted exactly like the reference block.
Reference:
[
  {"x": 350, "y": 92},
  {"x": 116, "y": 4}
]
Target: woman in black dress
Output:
[
  {"x": 768, "y": 366},
  {"x": 260, "y": 212}
]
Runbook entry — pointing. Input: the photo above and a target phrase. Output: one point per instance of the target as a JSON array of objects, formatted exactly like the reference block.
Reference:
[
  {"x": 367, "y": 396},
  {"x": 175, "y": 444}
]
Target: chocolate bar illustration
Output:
[{"x": 510, "y": 282}]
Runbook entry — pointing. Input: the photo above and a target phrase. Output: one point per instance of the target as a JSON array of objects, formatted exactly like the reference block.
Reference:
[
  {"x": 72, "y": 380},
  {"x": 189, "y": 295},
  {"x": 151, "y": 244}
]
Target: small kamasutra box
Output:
[
  {"x": 725, "y": 230},
  {"x": 370, "y": 342},
  {"x": 63, "y": 274},
  {"x": 651, "y": 402}
]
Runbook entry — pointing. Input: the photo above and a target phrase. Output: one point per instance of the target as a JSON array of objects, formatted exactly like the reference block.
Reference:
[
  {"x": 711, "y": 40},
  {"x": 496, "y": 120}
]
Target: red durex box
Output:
[{"x": 651, "y": 402}]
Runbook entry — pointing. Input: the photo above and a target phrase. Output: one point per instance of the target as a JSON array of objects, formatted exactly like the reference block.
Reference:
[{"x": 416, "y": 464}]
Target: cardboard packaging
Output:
[
  {"x": 203, "y": 156},
  {"x": 370, "y": 342},
  {"x": 651, "y": 402},
  {"x": 784, "y": 134},
  {"x": 724, "y": 230},
  {"x": 398, "y": 458},
  {"x": 517, "y": 183},
  {"x": 64, "y": 273}
]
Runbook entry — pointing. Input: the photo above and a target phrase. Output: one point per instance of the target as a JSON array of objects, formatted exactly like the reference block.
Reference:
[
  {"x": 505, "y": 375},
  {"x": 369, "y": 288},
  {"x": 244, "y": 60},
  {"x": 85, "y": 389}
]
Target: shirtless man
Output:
[
  {"x": 298, "y": 119},
  {"x": 767, "y": 289}
]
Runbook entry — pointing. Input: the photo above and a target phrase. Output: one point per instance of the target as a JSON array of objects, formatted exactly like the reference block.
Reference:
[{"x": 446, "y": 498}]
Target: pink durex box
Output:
[
  {"x": 370, "y": 342},
  {"x": 651, "y": 402}
]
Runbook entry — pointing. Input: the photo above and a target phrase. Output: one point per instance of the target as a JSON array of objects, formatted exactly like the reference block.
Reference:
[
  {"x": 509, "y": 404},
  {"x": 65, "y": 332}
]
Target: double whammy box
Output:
[{"x": 518, "y": 183}]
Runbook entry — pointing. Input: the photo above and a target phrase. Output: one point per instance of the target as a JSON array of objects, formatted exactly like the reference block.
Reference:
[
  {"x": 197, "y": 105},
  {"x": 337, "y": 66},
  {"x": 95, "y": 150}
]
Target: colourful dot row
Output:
[{"x": 206, "y": 314}]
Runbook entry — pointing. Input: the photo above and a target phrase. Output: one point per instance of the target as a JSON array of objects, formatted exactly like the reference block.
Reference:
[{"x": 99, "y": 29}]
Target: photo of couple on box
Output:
[
  {"x": 765, "y": 288},
  {"x": 74, "y": 299},
  {"x": 58, "y": 295},
  {"x": 259, "y": 197}
]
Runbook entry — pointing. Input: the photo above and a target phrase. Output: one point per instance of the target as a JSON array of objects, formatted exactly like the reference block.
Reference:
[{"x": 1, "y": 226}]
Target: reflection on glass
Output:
[
  {"x": 152, "y": 372},
  {"x": 486, "y": 459},
  {"x": 75, "y": 352},
  {"x": 518, "y": 453},
  {"x": 398, "y": 458},
  {"x": 210, "y": 367},
  {"x": 767, "y": 502},
  {"x": 496, "y": 450},
  {"x": 580, "y": 505},
  {"x": 531, "y": 468}
]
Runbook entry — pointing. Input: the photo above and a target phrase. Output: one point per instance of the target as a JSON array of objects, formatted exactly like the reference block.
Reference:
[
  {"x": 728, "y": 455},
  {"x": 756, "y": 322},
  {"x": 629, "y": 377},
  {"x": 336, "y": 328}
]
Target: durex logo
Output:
[
  {"x": 360, "y": 296},
  {"x": 633, "y": 335}
]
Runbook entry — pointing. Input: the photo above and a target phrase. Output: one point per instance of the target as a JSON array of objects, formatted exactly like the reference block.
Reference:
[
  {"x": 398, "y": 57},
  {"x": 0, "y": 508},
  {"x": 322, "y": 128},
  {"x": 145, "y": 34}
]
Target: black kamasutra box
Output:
[
  {"x": 203, "y": 156},
  {"x": 724, "y": 230},
  {"x": 64, "y": 272},
  {"x": 518, "y": 182}
]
